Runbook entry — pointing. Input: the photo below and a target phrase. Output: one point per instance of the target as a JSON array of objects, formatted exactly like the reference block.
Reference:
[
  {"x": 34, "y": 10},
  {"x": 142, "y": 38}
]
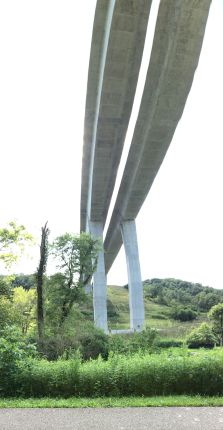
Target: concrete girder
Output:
[
  {"x": 117, "y": 44},
  {"x": 175, "y": 53}
]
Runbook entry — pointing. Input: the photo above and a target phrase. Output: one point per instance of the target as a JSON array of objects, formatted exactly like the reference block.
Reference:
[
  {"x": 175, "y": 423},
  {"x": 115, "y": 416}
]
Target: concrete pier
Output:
[
  {"x": 136, "y": 305},
  {"x": 99, "y": 282}
]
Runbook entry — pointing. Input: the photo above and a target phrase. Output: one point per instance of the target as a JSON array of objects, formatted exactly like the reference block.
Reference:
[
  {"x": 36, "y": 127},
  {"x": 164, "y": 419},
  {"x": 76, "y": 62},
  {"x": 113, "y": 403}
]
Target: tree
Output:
[
  {"x": 40, "y": 273},
  {"x": 201, "y": 337},
  {"x": 183, "y": 314},
  {"x": 76, "y": 257},
  {"x": 13, "y": 239},
  {"x": 216, "y": 315},
  {"x": 24, "y": 308}
]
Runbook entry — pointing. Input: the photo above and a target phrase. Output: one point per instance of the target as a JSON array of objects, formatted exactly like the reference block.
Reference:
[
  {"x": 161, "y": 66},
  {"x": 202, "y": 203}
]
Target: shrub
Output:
[
  {"x": 54, "y": 347},
  {"x": 133, "y": 342},
  {"x": 14, "y": 353},
  {"x": 202, "y": 336},
  {"x": 88, "y": 340},
  {"x": 93, "y": 343},
  {"x": 181, "y": 372},
  {"x": 169, "y": 343},
  {"x": 183, "y": 314}
]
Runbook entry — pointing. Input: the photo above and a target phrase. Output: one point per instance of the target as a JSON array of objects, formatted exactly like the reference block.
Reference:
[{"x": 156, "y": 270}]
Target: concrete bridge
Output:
[{"x": 118, "y": 38}]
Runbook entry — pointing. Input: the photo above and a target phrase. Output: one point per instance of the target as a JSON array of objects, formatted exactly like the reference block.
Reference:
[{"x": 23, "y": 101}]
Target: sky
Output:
[{"x": 44, "y": 54}]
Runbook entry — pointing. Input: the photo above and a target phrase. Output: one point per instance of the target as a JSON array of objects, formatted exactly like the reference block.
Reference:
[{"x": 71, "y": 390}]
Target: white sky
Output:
[{"x": 44, "y": 53}]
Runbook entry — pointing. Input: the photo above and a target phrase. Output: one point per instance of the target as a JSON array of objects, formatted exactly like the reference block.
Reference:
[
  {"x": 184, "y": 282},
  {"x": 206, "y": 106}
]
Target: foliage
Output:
[
  {"x": 168, "y": 343},
  {"x": 57, "y": 296},
  {"x": 76, "y": 257},
  {"x": 183, "y": 314},
  {"x": 202, "y": 337},
  {"x": 14, "y": 353},
  {"x": 133, "y": 342},
  {"x": 88, "y": 340},
  {"x": 216, "y": 315},
  {"x": 54, "y": 347},
  {"x": 13, "y": 239},
  {"x": 6, "y": 286},
  {"x": 168, "y": 373},
  {"x": 92, "y": 343},
  {"x": 175, "y": 292},
  {"x": 7, "y": 316},
  {"x": 25, "y": 281},
  {"x": 24, "y": 307}
]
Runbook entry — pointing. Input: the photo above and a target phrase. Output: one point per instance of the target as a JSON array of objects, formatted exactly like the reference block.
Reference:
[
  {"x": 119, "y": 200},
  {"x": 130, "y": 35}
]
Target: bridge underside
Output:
[{"x": 175, "y": 53}]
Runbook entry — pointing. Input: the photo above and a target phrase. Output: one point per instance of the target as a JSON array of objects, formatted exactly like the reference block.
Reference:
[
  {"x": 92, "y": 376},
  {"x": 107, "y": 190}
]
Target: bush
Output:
[
  {"x": 183, "y": 314},
  {"x": 202, "y": 336},
  {"x": 167, "y": 373},
  {"x": 54, "y": 347},
  {"x": 14, "y": 353},
  {"x": 89, "y": 341},
  {"x": 93, "y": 343},
  {"x": 133, "y": 342},
  {"x": 169, "y": 343}
]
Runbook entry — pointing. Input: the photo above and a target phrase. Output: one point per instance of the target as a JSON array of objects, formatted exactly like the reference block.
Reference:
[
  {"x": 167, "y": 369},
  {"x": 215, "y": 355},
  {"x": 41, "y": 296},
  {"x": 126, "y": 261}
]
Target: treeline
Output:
[{"x": 175, "y": 292}]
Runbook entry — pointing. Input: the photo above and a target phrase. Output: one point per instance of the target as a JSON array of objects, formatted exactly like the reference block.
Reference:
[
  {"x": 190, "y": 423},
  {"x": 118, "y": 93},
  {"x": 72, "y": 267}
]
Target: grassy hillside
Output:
[
  {"x": 161, "y": 297},
  {"x": 156, "y": 315}
]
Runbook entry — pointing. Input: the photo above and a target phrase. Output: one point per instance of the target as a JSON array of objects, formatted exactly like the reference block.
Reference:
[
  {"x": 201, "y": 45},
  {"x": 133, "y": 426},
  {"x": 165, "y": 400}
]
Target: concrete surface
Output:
[
  {"x": 99, "y": 282},
  {"x": 116, "y": 50},
  {"x": 112, "y": 419},
  {"x": 136, "y": 302},
  {"x": 175, "y": 53}
]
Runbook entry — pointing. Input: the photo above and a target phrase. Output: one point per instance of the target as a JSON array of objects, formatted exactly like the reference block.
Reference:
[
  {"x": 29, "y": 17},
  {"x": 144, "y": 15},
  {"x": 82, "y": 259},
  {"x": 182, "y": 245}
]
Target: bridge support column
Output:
[
  {"x": 136, "y": 303},
  {"x": 99, "y": 282}
]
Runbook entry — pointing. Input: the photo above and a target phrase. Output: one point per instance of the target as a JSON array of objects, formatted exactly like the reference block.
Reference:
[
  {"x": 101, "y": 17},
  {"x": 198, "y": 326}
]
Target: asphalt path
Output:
[{"x": 113, "y": 419}]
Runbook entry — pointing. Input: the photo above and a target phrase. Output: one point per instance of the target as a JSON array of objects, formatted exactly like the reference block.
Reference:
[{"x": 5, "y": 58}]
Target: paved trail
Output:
[{"x": 112, "y": 419}]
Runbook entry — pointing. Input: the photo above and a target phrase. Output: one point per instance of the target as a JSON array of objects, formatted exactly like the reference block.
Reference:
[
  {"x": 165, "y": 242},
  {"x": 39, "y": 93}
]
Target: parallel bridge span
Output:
[{"x": 112, "y": 82}]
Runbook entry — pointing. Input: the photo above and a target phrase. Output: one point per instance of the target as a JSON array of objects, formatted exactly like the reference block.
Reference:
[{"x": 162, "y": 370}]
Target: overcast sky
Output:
[{"x": 44, "y": 54}]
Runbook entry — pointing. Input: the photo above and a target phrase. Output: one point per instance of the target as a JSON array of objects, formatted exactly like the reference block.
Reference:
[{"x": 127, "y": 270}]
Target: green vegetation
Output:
[
  {"x": 216, "y": 315},
  {"x": 202, "y": 337},
  {"x": 13, "y": 239},
  {"x": 111, "y": 402},
  {"x": 174, "y": 292},
  {"x": 49, "y": 346},
  {"x": 172, "y": 372}
]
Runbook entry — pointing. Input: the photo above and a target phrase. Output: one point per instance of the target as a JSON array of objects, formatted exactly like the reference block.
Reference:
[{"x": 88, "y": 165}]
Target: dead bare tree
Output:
[{"x": 40, "y": 279}]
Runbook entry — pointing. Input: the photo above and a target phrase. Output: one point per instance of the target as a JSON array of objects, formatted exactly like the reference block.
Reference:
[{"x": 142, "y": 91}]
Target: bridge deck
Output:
[
  {"x": 176, "y": 48},
  {"x": 116, "y": 51}
]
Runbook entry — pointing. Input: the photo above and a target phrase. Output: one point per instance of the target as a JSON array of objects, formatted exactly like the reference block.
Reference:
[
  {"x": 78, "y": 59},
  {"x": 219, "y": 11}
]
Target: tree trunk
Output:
[{"x": 40, "y": 273}]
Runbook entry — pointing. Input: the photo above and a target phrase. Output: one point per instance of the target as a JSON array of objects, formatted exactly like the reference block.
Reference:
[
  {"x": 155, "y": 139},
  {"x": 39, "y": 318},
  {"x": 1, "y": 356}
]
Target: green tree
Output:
[
  {"x": 216, "y": 315},
  {"x": 201, "y": 337},
  {"x": 13, "y": 239},
  {"x": 76, "y": 257},
  {"x": 183, "y": 314},
  {"x": 23, "y": 308}
]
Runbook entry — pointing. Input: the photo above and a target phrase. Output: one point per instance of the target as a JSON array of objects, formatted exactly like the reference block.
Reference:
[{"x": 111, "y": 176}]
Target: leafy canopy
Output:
[
  {"x": 13, "y": 239},
  {"x": 76, "y": 257}
]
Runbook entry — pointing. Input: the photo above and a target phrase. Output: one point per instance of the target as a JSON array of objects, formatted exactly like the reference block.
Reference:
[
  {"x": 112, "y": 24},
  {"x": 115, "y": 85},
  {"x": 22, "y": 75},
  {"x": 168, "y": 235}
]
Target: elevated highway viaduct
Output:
[
  {"x": 116, "y": 50},
  {"x": 175, "y": 53}
]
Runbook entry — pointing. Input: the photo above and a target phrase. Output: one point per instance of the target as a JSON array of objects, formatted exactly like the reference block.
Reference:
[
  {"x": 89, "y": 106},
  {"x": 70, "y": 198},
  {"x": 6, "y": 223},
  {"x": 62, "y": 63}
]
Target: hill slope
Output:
[{"x": 161, "y": 297}]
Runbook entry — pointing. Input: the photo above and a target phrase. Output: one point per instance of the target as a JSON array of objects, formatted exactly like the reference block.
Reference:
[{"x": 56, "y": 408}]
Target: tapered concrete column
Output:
[
  {"x": 99, "y": 282},
  {"x": 136, "y": 304}
]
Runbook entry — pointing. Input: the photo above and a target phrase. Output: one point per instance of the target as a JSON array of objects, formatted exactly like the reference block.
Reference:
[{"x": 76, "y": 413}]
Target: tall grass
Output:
[{"x": 170, "y": 372}]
